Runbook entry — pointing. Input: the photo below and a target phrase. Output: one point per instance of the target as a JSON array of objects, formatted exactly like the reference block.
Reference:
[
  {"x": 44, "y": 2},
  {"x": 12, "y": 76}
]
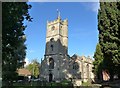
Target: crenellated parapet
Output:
[{"x": 64, "y": 22}]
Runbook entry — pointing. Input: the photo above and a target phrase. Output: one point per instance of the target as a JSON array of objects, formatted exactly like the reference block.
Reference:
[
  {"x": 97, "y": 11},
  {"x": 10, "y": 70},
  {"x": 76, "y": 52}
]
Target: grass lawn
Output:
[
  {"x": 86, "y": 84},
  {"x": 41, "y": 84}
]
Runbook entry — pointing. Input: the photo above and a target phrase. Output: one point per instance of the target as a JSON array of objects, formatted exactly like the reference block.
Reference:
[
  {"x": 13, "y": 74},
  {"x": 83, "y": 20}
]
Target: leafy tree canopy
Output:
[{"x": 34, "y": 68}]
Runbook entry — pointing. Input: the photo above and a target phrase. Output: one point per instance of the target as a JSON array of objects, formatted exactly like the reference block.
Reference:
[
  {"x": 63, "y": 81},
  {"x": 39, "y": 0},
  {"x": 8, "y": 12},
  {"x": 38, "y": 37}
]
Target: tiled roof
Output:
[{"x": 24, "y": 72}]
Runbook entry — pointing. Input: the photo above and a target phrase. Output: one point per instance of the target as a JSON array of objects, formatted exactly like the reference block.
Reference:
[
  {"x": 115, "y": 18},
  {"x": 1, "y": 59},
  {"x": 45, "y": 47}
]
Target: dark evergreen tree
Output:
[
  {"x": 108, "y": 26},
  {"x": 13, "y": 38},
  {"x": 98, "y": 56},
  {"x": 118, "y": 19}
]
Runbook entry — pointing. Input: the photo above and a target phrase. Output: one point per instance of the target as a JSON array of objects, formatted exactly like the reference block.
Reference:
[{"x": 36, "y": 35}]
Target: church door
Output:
[{"x": 50, "y": 77}]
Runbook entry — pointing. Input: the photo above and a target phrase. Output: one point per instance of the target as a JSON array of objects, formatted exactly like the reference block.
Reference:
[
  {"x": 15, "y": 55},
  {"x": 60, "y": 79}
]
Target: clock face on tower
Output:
[{"x": 53, "y": 28}]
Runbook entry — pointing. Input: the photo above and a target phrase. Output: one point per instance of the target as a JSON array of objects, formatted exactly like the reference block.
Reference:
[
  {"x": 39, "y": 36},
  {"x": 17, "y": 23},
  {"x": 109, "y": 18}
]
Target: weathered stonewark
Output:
[{"x": 57, "y": 64}]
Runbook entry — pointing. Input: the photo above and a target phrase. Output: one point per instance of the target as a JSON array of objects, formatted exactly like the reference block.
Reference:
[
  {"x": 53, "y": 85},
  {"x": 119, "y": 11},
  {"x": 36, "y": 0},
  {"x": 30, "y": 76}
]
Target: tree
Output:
[
  {"x": 13, "y": 38},
  {"x": 34, "y": 68},
  {"x": 98, "y": 56},
  {"x": 118, "y": 18},
  {"x": 108, "y": 26}
]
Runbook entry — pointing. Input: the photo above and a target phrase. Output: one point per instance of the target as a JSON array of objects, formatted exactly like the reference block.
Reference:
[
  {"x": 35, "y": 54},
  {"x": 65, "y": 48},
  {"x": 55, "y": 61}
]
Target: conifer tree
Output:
[
  {"x": 108, "y": 26},
  {"x": 98, "y": 56}
]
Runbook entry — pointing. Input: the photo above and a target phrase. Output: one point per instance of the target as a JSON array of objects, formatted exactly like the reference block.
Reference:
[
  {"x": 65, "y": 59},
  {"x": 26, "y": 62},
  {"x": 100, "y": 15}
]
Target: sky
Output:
[{"x": 82, "y": 27}]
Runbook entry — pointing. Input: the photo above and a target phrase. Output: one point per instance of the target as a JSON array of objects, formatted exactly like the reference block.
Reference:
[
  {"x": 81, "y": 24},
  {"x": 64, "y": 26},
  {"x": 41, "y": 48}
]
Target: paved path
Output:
[{"x": 114, "y": 84}]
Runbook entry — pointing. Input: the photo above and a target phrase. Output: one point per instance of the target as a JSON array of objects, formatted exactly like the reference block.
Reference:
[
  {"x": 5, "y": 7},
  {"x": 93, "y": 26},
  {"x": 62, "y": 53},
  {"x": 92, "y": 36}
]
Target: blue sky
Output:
[{"x": 82, "y": 27}]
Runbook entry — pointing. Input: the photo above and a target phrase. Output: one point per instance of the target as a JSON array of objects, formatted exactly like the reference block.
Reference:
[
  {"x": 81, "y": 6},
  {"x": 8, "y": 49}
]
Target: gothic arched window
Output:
[
  {"x": 51, "y": 63},
  {"x": 75, "y": 66}
]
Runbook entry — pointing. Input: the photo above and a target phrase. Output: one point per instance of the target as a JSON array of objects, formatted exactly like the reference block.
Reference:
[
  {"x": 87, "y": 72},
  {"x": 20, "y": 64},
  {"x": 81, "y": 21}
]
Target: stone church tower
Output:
[
  {"x": 56, "y": 52},
  {"x": 57, "y": 64},
  {"x": 57, "y": 37}
]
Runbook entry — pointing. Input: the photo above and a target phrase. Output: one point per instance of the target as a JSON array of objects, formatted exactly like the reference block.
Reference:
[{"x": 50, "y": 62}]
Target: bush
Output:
[{"x": 86, "y": 84}]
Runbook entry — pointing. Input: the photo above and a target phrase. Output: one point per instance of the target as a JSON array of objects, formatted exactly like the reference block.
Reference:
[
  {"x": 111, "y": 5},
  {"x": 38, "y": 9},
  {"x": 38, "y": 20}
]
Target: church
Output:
[{"x": 57, "y": 65}]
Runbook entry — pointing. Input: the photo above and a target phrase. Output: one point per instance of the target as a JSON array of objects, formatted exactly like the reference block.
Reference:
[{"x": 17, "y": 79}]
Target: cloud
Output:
[
  {"x": 93, "y": 6},
  {"x": 31, "y": 51},
  {"x": 91, "y": 55},
  {"x": 27, "y": 62}
]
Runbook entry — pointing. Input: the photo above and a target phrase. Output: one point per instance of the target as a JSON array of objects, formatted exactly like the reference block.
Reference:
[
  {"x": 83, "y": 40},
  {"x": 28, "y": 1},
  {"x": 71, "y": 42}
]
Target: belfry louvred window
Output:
[
  {"x": 51, "y": 47},
  {"x": 53, "y": 28}
]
